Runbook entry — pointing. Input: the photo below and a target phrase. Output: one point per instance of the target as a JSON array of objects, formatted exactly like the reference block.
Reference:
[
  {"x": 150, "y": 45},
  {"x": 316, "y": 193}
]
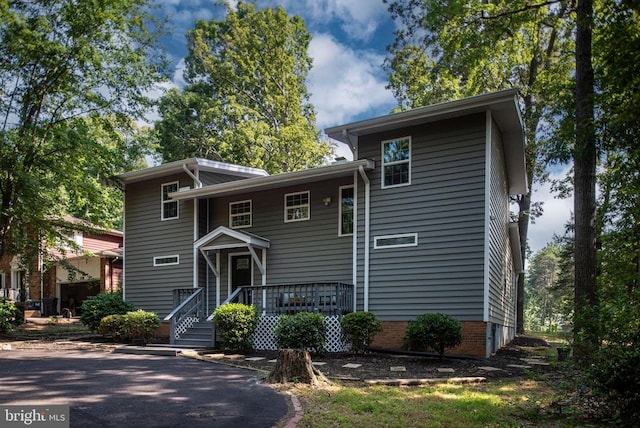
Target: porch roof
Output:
[
  {"x": 339, "y": 169},
  {"x": 242, "y": 239}
]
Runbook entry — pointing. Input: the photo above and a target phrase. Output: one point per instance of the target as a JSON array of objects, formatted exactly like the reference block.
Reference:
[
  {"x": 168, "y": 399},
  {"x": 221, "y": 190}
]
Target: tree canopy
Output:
[
  {"x": 246, "y": 100},
  {"x": 73, "y": 76}
]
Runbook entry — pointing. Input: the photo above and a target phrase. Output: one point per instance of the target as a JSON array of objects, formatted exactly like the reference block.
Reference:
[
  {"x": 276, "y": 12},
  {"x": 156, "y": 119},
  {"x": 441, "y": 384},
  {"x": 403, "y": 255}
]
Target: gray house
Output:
[{"x": 418, "y": 222}]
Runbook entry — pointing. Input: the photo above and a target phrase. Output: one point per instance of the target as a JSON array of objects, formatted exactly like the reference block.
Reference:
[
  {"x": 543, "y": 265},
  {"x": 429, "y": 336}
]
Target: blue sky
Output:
[
  {"x": 347, "y": 82},
  {"x": 349, "y": 40}
]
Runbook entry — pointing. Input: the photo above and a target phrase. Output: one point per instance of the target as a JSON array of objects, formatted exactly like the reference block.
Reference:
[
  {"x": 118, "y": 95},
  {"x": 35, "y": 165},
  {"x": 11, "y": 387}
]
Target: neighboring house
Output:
[
  {"x": 93, "y": 266},
  {"x": 418, "y": 222}
]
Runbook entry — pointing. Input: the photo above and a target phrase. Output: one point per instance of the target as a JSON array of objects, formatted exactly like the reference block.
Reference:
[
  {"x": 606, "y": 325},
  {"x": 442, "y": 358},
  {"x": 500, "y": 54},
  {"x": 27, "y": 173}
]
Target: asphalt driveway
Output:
[{"x": 123, "y": 390}]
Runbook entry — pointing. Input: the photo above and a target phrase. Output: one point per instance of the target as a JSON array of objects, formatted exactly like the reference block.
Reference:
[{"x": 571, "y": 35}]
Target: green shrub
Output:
[
  {"x": 433, "y": 332},
  {"x": 10, "y": 316},
  {"x": 304, "y": 330},
  {"x": 97, "y": 307},
  {"x": 112, "y": 325},
  {"x": 140, "y": 325},
  {"x": 615, "y": 378},
  {"x": 359, "y": 328},
  {"x": 237, "y": 323},
  {"x": 133, "y": 326}
]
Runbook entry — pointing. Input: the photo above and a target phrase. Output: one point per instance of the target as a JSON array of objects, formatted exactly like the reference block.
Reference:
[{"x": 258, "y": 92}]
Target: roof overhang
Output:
[
  {"x": 504, "y": 109},
  {"x": 192, "y": 164},
  {"x": 243, "y": 239},
  {"x": 275, "y": 181}
]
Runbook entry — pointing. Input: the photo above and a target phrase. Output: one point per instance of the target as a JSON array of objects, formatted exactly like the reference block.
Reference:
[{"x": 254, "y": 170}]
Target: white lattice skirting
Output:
[{"x": 263, "y": 338}]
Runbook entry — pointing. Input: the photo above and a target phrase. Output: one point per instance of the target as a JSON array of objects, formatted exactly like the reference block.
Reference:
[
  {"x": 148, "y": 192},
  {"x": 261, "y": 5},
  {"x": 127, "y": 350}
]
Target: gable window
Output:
[
  {"x": 166, "y": 260},
  {"x": 396, "y": 241},
  {"x": 346, "y": 211},
  {"x": 169, "y": 207},
  {"x": 240, "y": 214},
  {"x": 396, "y": 162},
  {"x": 296, "y": 207}
]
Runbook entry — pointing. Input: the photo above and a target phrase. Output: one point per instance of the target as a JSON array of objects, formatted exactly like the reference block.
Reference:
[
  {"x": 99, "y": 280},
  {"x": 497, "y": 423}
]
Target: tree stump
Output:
[{"x": 294, "y": 365}]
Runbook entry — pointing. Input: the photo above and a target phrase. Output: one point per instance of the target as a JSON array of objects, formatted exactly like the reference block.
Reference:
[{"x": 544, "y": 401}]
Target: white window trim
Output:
[
  {"x": 403, "y": 235},
  {"x": 308, "y": 205},
  {"x": 156, "y": 260},
  {"x": 394, "y": 163},
  {"x": 162, "y": 201},
  {"x": 231, "y": 216},
  {"x": 350, "y": 186}
]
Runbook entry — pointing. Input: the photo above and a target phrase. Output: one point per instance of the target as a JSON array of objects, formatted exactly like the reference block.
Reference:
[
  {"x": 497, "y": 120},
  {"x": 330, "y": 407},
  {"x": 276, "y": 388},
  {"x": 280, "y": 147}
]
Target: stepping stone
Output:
[
  {"x": 539, "y": 363},
  {"x": 234, "y": 356},
  {"x": 6, "y": 347},
  {"x": 518, "y": 366},
  {"x": 273, "y": 361},
  {"x": 318, "y": 363},
  {"x": 255, "y": 359},
  {"x": 215, "y": 356},
  {"x": 489, "y": 369},
  {"x": 351, "y": 366},
  {"x": 398, "y": 369},
  {"x": 445, "y": 370}
]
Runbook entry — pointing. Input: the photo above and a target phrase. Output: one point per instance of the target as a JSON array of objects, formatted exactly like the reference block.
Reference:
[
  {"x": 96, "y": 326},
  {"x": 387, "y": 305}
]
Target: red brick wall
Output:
[
  {"x": 164, "y": 331},
  {"x": 474, "y": 340}
]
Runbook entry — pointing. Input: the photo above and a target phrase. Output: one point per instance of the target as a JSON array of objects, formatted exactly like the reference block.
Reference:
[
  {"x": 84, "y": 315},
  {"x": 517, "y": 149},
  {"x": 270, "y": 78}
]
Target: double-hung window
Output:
[
  {"x": 396, "y": 162},
  {"x": 240, "y": 214},
  {"x": 346, "y": 211},
  {"x": 169, "y": 207},
  {"x": 296, "y": 207}
]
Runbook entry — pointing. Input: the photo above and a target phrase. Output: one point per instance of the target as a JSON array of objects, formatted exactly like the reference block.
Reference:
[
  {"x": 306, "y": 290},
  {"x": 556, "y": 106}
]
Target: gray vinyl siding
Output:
[
  {"x": 150, "y": 287},
  {"x": 301, "y": 251},
  {"x": 444, "y": 204},
  {"x": 501, "y": 310},
  {"x": 209, "y": 178}
]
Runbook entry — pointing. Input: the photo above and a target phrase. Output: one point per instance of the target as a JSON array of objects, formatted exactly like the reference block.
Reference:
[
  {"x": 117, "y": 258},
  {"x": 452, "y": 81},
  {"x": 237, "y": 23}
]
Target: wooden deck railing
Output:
[{"x": 329, "y": 298}]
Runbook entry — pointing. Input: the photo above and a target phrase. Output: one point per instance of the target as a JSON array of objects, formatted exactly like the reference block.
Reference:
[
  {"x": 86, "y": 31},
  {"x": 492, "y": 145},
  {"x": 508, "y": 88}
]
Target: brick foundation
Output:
[
  {"x": 164, "y": 331},
  {"x": 474, "y": 340}
]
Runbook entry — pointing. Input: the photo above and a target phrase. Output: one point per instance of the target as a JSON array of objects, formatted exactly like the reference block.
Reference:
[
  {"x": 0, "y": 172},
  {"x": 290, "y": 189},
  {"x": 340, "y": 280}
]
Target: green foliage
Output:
[
  {"x": 131, "y": 327},
  {"x": 433, "y": 332},
  {"x": 112, "y": 325},
  {"x": 237, "y": 323},
  {"x": 74, "y": 75},
  {"x": 246, "y": 101},
  {"x": 10, "y": 316},
  {"x": 359, "y": 328},
  {"x": 615, "y": 376},
  {"x": 304, "y": 330},
  {"x": 97, "y": 307}
]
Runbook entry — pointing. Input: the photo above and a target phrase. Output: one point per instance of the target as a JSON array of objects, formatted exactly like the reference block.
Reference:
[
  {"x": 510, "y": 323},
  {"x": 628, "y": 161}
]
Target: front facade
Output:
[{"x": 418, "y": 222}]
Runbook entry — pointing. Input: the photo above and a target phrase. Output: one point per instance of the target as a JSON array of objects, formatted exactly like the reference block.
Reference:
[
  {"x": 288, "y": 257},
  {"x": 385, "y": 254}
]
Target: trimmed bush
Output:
[
  {"x": 140, "y": 325},
  {"x": 133, "y": 326},
  {"x": 97, "y": 307},
  {"x": 304, "y": 330},
  {"x": 10, "y": 316},
  {"x": 112, "y": 325},
  {"x": 237, "y": 323},
  {"x": 433, "y": 332},
  {"x": 359, "y": 328}
]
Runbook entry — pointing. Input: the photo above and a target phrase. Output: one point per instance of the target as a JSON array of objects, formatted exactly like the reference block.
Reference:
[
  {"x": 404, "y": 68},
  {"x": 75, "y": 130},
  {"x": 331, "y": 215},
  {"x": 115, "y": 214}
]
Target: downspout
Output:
[
  {"x": 354, "y": 262},
  {"x": 196, "y": 180},
  {"x": 367, "y": 227}
]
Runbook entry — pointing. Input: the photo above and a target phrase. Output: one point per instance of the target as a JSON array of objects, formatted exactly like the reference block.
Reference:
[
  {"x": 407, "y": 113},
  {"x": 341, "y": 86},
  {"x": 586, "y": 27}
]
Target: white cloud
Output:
[
  {"x": 359, "y": 19},
  {"x": 345, "y": 83},
  {"x": 557, "y": 212}
]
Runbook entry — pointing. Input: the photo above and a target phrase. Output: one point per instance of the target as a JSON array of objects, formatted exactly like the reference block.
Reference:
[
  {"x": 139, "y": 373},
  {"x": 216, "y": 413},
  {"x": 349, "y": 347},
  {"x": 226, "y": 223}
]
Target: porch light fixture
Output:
[{"x": 327, "y": 201}]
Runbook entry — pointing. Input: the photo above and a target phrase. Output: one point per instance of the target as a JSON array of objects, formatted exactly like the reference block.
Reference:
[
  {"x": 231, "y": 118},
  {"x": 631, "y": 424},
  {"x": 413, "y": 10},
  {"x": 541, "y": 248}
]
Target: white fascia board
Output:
[
  {"x": 514, "y": 240},
  {"x": 247, "y": 238},
  {"x": 274, "y": 181},
  {"x": 192, "y": 163}
]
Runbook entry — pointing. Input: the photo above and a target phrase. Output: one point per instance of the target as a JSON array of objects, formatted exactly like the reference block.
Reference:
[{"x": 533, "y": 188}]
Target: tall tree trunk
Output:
[{"x": 586, "y": 299}]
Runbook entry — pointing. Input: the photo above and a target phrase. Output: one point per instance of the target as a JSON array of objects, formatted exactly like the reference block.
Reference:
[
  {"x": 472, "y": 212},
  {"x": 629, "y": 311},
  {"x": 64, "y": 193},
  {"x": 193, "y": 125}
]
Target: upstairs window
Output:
[
  {"x": 240, "y": 214},
  {"x": 169, "y": 207},
  {"x": 346, "y": 210},
  {"x": 296, "y": 207},
  {"x": 396, "y": 162}
]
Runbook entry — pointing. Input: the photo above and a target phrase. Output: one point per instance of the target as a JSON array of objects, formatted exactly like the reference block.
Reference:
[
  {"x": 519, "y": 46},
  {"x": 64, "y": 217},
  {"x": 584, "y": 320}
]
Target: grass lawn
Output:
[{"x": 505, "y": 403}]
